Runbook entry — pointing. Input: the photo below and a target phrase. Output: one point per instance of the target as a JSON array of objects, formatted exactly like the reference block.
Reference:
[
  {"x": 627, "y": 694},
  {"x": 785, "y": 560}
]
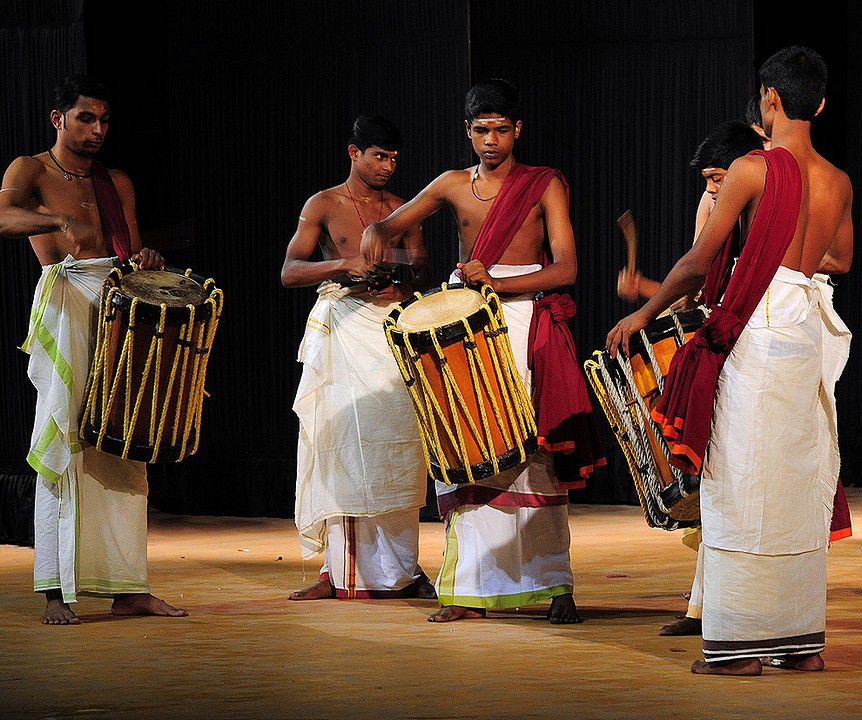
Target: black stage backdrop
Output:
[{"x": 228, "y": 116}]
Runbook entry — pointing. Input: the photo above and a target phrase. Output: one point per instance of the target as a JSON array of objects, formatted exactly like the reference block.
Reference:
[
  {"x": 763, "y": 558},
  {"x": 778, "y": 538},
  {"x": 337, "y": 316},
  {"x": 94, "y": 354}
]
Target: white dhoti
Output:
[
  {"x": 91, "y": 507},
  {"x": 507, "y": 536},
  {"x": 765, "y": 497},
  {"x": 361, "y": 472}
]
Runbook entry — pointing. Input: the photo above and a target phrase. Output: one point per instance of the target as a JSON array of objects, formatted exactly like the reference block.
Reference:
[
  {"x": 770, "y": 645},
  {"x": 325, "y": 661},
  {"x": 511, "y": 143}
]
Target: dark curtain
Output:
[
  {"x": 229, "y": 116},
  {"x": 246, "y": 116},
  {"x": 618, "y": 95}
]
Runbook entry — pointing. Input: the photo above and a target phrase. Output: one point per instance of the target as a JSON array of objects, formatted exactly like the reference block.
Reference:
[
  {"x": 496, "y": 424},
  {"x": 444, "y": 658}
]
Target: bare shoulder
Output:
[
  {"x": 121, "y": 180},
  {"x": 451, "y": 181},
  {"x": 26, "y": 166},
  {"x": 835, "y": 178}
]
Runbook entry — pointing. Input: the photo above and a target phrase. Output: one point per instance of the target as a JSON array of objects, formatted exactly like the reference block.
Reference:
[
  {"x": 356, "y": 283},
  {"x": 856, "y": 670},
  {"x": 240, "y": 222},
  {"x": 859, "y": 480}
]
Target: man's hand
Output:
[
  {"x": 148, "y": 259},
  {"x": 623, "y": 330},
  {"x": 473, "y": 272},
  {"x": 628, "y": 284},
  {"x": 393, "y": 292},
  {"x": 374, "y": 244}
]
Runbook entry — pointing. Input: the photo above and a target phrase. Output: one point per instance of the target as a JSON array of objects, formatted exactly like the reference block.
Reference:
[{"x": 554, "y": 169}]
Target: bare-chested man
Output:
[
  {"x": 91, "y": 508},
  {"x": 361, "y": 473},
  {"x": 763, "y": 491},
  {"x": 507, "y": 536}
]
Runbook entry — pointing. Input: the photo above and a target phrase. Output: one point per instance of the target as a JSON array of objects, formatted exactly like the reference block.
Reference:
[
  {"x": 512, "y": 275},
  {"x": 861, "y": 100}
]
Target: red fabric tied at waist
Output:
[
  {"x": 559, "y": 389},
  {"x": 719, "y": 332}
]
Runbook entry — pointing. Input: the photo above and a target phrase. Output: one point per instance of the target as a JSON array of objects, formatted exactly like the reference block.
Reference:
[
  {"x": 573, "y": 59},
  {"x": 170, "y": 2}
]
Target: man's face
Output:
[
  {"x": 83, "y": 126},
  {"x": 374, "y": 165},
  {"x": 493, "y": 137},
  {"x": 714, "y": 177}
]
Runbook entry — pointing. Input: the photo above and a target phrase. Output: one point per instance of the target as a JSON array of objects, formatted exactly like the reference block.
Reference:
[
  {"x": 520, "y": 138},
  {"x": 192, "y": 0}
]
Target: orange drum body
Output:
[
  {"x": 474, "y": 413},
  {"x": 628, "y": 389},
  {"x": 146, "y": 384}
]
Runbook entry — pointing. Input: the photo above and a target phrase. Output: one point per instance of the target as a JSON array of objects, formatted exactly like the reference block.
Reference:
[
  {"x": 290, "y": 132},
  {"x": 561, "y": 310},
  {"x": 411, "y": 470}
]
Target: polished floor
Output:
[{"x": 245, "y": 651}]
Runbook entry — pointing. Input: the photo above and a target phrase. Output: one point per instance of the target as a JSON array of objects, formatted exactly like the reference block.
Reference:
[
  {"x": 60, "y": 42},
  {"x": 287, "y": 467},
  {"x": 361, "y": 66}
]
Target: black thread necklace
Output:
[
  {"x": 68, "y": 174},
  {"x": 473, "y": 188}
]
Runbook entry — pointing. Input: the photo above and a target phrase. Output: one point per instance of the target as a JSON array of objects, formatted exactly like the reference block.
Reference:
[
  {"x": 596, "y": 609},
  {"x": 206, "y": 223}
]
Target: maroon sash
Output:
[
  {"x": 564, "y": 413},
  {"x": 684, "y": 410},
  {"x": 111, "y": 211}
]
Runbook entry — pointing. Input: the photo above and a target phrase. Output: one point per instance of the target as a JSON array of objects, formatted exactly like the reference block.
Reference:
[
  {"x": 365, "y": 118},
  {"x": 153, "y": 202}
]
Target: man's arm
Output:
[
  {"x": 839, "y": 256},
  {"x": 381, "y": 236},
  {"x": 298, "y": 269},
  {"x": 417, "y": 256},
  {"x": 145, "y": 257},
  {"x": 742, "y": 184},
  {"x": 19, "y": 197}
]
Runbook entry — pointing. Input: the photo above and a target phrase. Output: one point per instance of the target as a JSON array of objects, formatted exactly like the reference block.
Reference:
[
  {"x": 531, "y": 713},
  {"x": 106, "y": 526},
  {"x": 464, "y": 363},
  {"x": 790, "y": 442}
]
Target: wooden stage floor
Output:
[{"x": 245, "y": 651}]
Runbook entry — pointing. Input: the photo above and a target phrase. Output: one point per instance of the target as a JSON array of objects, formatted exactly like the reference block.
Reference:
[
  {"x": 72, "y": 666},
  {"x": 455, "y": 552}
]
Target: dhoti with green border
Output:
[{"x": 91, "y": 507}]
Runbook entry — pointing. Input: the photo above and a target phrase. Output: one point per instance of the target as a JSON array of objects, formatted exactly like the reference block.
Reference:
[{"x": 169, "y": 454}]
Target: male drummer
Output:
[
  {"x": 361, "y": 471},
  {"x": 507, "y": 536},
  {"x": 714, "y": 154},
  {"x": 763, "y": 358},
  {"x": 90, "y": 507}
]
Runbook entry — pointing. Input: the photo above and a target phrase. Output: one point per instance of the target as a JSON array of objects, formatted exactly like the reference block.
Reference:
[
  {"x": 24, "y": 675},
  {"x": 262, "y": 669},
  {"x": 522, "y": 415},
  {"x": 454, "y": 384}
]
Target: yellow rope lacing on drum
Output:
[
  {"x": 158, "y": 415},
  {"x": 428, "y": 407}
]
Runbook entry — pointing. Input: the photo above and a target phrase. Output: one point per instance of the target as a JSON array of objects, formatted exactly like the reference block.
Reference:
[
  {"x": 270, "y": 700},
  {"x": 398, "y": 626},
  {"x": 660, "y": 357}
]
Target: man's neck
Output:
[
  {"x": 70, "y": 162},
  {"x": 791, "y": 134},
  {"x": 362, "y": 190},
  {"x": 496, "y": 171}
]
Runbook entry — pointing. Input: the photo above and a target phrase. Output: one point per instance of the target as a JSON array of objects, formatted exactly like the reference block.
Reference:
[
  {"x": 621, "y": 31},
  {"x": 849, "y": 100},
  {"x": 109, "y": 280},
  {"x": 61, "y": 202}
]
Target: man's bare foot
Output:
[
  {"x": 563, "y": 611},
  {"x": 682, "y": 626},
  {"x": 57, "y": 612},
  {"x": 426, "y": 591},
  {"x": 456, "y": 612},
  {"x": 748, "y": 666},
  {"x": 321, "y": 590},
  {"x": 807, "y": 663},
  {"x": 144, "y": 604}
]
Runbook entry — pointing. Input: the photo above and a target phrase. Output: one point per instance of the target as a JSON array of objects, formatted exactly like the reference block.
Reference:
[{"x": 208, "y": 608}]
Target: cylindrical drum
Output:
[
  {"x": 475, "y": 415},
  {"x": 146, "y": 384}
]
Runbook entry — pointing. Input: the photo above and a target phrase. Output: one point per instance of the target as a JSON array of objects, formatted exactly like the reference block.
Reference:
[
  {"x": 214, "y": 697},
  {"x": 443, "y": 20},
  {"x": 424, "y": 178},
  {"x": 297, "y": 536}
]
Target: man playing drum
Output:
[
  {"x": 361, "y": 472},
  {"x": 763, "y": 356},
  {"x": 507, "y": 536},
  {"x": 91, "y": 507},
  {"x": 714, "y": 154}
]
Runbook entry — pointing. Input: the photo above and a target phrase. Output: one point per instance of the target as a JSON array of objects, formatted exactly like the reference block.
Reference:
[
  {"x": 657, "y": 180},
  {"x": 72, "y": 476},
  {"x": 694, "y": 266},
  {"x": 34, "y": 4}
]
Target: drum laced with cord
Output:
[
  {"x": 627, "y": 389},
  {"x": 475, "y": 415},
  {"x": 145, "y": 388}
]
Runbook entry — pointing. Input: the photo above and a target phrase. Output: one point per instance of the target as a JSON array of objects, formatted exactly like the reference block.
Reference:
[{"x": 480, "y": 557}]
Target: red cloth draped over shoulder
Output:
[
  {"x": 564, "y": 413},
  {"x": 684, "y": 410},
  {"x": 111, "y": 211}
]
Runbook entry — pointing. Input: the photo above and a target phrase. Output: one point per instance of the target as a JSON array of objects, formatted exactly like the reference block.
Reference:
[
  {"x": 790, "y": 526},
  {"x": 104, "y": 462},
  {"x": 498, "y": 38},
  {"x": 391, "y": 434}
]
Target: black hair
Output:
[
  {"x": 66, "y": 93},
  {"x": 725, "y": 143},
  {"x": 798, "y": 75},
  {"x": 752, "y": 111},
  {"x": 376, "y": 130},
  {"x": 493, "y": 96}
]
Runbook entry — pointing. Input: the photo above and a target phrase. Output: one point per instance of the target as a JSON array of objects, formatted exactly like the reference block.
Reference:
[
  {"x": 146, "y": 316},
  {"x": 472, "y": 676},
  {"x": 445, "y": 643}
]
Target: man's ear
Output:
[
  {"x": 517, "y": 128},
  {"x": 354, "y": 152},
  {"x": 467, "y": 127},
  {"x": 57, "y": 119},
  {"x": 820, "y": 108}
]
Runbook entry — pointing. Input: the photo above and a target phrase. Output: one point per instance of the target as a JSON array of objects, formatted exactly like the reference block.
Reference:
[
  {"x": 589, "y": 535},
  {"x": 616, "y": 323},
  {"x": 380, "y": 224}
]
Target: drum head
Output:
[
  {"x": 440, "y": 308},
  {"x": 161, "y": 287}
]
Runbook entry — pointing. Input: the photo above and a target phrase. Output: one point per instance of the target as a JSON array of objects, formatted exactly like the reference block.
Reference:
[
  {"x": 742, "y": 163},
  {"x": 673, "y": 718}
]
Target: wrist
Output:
[{"x": 65, "y": 224}]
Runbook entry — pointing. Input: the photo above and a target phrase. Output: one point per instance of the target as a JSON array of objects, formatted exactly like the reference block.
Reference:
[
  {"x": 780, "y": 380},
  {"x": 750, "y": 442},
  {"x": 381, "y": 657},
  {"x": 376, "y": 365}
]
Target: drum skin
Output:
[{"x": 146, "y": 383}]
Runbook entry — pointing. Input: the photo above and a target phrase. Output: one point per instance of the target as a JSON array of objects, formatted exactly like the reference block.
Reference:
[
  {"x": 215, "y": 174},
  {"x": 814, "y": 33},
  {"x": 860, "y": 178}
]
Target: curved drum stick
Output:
[{"x": 626, "y": 223}]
